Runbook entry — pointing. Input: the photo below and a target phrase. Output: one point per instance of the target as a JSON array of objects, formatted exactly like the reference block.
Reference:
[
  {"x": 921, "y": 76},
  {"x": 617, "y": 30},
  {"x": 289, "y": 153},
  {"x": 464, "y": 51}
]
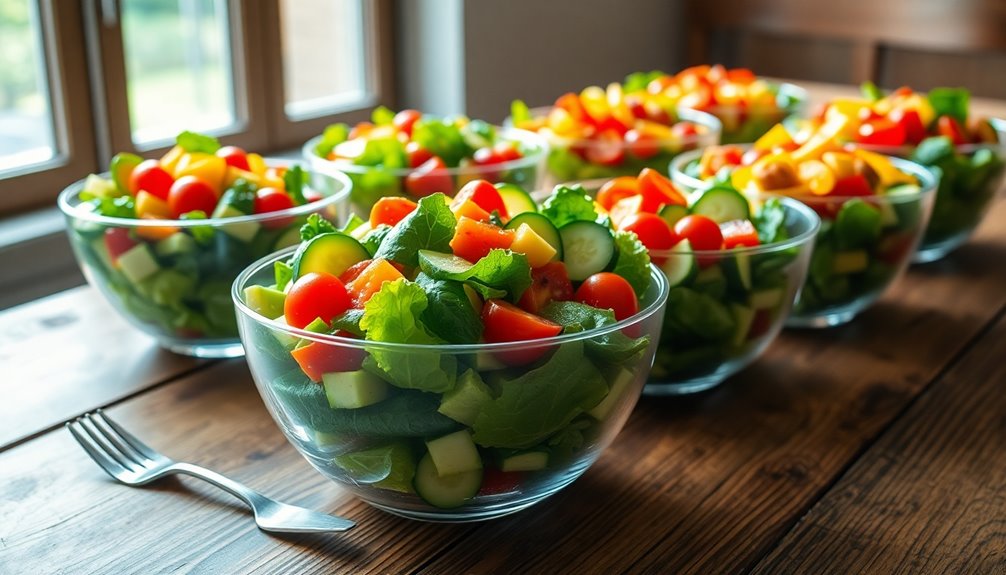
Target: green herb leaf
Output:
[
  {"x": 568, "y": 204},
  {"x": 429, "y": 227},
  {"x": 951, "y": 102},
  {"x": 498, "y": 270},
  {"x": 120, "y": 207},
  {"x": 770, "y": 222},
  {"x": 450, "y": 315},
  {"x": 333, "y": 135},
  {"x": 478, "y": 134},
  {"x": 373, "y": 239},
  {"x": 633, "y": 261},
  {"x": 574, "y": 317},
  {"x": 442, "y": 138},
  {"x": 352, "y": 223},
  {"x": 386, "y": 152},
  {"x": 382, "y": 116},
  {"x": 240, "y": 196},
  {"x": 857, "y": 224},
  {"x": 692, "y": 317},
  {"x": 519, "y": 112},
  {"x": 542, "y": 401},
  {"x": 197, "y": 143},
  {"x": 283, "y": 272},
  {"x": 348, "y": 320},
  {"x": 639, "y": 81},
  {"x": 202, "y": 234},
  {"x": 295, "y": 178},
  {"x": 870, "y": 91},
  {"x": 315, "y": 226}
]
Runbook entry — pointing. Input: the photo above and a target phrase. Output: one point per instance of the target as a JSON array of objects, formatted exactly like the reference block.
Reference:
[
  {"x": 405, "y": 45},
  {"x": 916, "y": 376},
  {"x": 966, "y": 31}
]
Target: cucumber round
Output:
[
  {"x": 448, "y": 491},
  {"x": 671, "y": 213},
  {"x": 680, "y": 266},
  {"x": 516, "y": 200},
  {"x": 722, "y": 205},
  {"x": 541, "y": 226},
  {"x": 588, "y": 248},
  {"x": 331, "y": 253}
]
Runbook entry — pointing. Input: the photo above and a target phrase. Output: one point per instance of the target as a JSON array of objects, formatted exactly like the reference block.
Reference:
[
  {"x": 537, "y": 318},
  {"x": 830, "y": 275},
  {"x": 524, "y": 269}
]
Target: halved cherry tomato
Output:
[
  {"x": 855, "y": 185},
  {"x": 317, "y": 359},
  {"x": 882, "y": 132},
  {"x": 406, "y": 119},
  {"x": 273, "y": 200},
  {"x": 657, "y": 191},
  {"x": 496, "y": 481},
  {"x": 717, "y": 157},
  {"x": 549, "y": 283},
  {"x": 910, "y": 121},
  {"x": 151, "y": 177},
  {"x": 606, "y": 290},
  {"x": 485, "y": 195},
  {"x": 617, "y": 189},
  {"x": 947, "y": 126},
  {"x": 417, "y": 154},
  {"x": 315, "y": 295},
  {"x": 739, "y": 233},
  {"x": 506, "y": 322},
  {"x": 429, "y": 178},
  {"x": 118, "y": 242},
  {"x": 473, "y": 239},
  {"x": 188, "y": 194},
  {"x": 607, "y": 149},
  {"x": 235, "y": 157},
  {"x": 701, "y": 232},
  {"x": 624, "y": 208},
  {"x": 652, "y": 230},
  {"x": 391, "y": 210},
  {"x": 498, "y": 154},
  {"x": 642, "y": 146}
]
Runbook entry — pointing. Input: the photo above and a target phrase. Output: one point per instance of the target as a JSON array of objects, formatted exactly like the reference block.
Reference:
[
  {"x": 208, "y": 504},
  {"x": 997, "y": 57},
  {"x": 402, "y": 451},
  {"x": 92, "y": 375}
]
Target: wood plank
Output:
[
  {"x": 69, "y": 353},
  {"x": 710, "y": 483},
  {"x": 930, "y": 496},
  {"x": 62, "y": 514}
]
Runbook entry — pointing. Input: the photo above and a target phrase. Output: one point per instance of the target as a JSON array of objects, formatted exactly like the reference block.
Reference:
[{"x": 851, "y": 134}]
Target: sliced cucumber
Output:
[
  {"x": 331, "y": 253},
  {"x": 588, "y": 248},
  {"x": 722, "y": 205},
  {"x": 671, "y": 213},
  {"x": 619, "y": 387},
  {"x": 680, "y": 266},
  {"x": 541, "y": 226},
  {"x": 743, "y": 316},
  {"x": 516, "y": 200},
  {"x": 527, "y": 461},
  {"x": 445, "y": 491},
  {"x": 465, "y": 401},
  {"x": 738, "y": 271}
]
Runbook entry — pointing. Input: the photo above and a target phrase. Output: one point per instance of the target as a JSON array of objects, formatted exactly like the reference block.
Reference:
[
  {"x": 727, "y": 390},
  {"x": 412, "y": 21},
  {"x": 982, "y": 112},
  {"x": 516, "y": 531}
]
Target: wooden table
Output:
[{"x": 876, "y": 447}]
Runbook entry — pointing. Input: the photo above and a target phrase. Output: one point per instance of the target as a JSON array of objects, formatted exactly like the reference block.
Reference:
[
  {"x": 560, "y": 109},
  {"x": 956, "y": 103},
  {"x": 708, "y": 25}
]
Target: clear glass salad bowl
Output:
[
  {"x": 842, "y": 283},
  {"x": 567, "y": 157},
  {"x": 969, "y": 179},
  {"x": 742, "y": 124},
  {"x": 173, "y": 282},
  {"x": 540, "y": 426},
  {"x": 370, "y": 183}
]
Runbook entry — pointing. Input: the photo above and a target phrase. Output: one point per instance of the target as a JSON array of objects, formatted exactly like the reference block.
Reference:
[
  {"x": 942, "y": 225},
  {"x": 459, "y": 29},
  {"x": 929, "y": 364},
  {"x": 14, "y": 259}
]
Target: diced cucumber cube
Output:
[
  {"x": 620, "y": 385},
  {"x": 353, "y": 389},
  {"x": 527, "y": 461},
  {"x": 744, "y": 316},
  {"x": 175, "y": 244},
  {"x": 243, "y": 231},
  {"x": 465, "y": 401},
  {"x": 138, "y": 263},
  {"x": 454, "y": 453},
  {"x": 265, "y": 300}
]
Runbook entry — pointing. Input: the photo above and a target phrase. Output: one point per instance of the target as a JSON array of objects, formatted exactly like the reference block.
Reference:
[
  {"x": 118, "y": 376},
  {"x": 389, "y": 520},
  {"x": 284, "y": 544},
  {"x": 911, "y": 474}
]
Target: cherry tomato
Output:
[
  {"x": 606, "y": 290},
  {"x": 391, "y": 210},
  {"x": 607, "y": 149},
  {"x": 683, "y": 130},
  {"x": 701, "y": 232},
  {"x": 496, "y": 481},
  {"x": 657, "y": 191},
  {"x": 947, "y": 126},
  {"x": 315, "y": 295},
  {"x": 855, "y": 185},
  {"x": 506, "y": 322},
  {"x": 417, "y": 154},
  {"x": 652, "y": 230},
  {"x": 882, "y": 132},
  {"x": 273, "y": 200},
  {"x": 617, "y": 189},
  {"x": 549, "y": 283},
  {"x": 429, "y": 178},
  {"x": 406, "y": 119},
  {"x": 485, "y": 196},
  {"x": 910, "y": 121},
  {"x": 151, "y": 177},
  {"x": 189, "y": 194},
  {"x": 317, "y": 359},
  {"x": 235, "y": 157},
  {"x": 739, "y": 233},
  {"x": 642, "y": 146},
  {"x": 498, "y": 154},
  {"x": 118, "y": 242}
]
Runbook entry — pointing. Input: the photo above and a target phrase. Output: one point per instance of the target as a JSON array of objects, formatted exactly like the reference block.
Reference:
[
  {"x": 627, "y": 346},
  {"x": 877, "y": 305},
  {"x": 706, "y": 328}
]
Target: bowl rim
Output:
[
  {"x": 72, "y": 193},
  {"x": 798, "y": 94},
  {"x": 656, "y": 276},
  {"x": 927, "y": 181},
  {"x": 539, "y": 143},
  {"x": 712, "y": 124}
]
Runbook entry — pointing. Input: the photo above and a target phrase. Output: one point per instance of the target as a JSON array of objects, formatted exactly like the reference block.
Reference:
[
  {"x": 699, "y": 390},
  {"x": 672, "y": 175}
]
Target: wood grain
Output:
[
  {"x": 69, "y": 353},
  {"x": 708, "y": 485},
  {"x": 930, "y": 496}
]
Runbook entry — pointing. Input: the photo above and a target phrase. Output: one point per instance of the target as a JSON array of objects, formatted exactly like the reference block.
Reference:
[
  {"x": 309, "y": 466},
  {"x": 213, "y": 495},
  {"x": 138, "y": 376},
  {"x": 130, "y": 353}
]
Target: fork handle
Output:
[{"x": 253, "y": 498}]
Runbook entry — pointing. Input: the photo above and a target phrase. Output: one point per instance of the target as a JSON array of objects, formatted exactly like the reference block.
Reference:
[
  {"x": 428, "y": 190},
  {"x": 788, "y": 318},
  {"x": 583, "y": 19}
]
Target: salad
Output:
[
  {"x": 746, "y": 105},
  {"x": 412, "y": 155},
  {"x": 733, "y": 272},
  {"x": 164, "y": 239},
  {"x": 610, "y": 132},
  {"x": 873, "y": 210},
  {"x": 422, "y": 401},
  {"x": 937, "y": 131}
]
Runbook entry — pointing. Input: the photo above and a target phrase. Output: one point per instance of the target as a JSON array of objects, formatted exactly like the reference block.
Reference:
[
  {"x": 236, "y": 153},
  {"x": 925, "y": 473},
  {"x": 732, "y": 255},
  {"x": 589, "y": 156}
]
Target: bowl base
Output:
[
  {"x": 683, "y": 388},
  {"x": 822, "y": 321},
  {"x": 205, "y": 350},
  {"x": 938, "y": 251}
]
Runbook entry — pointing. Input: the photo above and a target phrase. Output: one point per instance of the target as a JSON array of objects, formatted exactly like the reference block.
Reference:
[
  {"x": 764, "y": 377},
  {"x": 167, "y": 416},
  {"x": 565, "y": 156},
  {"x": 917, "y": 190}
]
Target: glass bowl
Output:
[
  {"x": 529, "y": 431},
  {"x": 174, "y": 282},
  {"x": 743, "y": 125},
  {"x": 567, "y": 157},
  {"x": 969, "y": 181},
  {"x": 371, "y": 183},
  {"x": 842, "y": 281}
]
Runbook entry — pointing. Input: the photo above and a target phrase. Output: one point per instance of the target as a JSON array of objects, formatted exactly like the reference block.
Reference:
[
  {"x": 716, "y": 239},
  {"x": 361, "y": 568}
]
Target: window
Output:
[{"x": 127, "y": 75}]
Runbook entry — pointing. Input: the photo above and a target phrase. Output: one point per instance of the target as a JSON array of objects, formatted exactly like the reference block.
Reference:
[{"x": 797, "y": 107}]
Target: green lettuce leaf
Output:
[
  {"x": 295, "y": 178},
  {"x": 372, "y": 239},
  {"x": 428, "y": 227},
  {"x": 633, "y": 261},
  {"x": 443, "y": 138},
  {"x": 614, "y": 347},
  {"x": 333, "y": 135},
  {"x": 951, "y": 102},
  {"x": 202, "y": 234},
  {"x": 770, "y": 222},
  {"x": 240, "y": 196},
  {"x": 283, "y": 272},
  {"x": 519, "y": 112},
  {"x": 568, "y": 204},
  {"x": 197, "y": 143},
  {"x": 450, "y": 315},
  {"x": 870, "y": 91},
  {"x": 315, "y": 226},
  {"x": 694, "y": 317},
  {"x": 348, "y": 320},
  {"x": 387, "y": 152},
  {"x": 382, "y": 116},
  {"x": 542, "y": 401},
  {"x": 352, "y": 223},
  {"x": 857, "y": 225},
  {"x": 639, "y": 81},
  {"x": 120, "y": 207},
  {"x": 499, "y": 270}
]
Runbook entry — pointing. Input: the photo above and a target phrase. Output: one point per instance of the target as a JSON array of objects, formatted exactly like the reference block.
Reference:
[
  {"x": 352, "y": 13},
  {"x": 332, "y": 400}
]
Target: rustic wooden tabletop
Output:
[{"x": 876, "y": 447}]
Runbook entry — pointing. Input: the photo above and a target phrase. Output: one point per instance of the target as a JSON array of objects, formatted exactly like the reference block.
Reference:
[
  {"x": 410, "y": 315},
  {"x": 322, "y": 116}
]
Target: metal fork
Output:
[{"x": 128, "y": 460}]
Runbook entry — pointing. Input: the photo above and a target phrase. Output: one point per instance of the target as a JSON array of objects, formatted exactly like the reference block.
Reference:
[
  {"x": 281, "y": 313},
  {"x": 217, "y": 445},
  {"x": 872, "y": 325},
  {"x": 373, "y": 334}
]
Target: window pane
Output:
[
  {"x": 26, "y": 130},
  {"x": 178, "y": 67},
  {"x": 323, "y": 55}
]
